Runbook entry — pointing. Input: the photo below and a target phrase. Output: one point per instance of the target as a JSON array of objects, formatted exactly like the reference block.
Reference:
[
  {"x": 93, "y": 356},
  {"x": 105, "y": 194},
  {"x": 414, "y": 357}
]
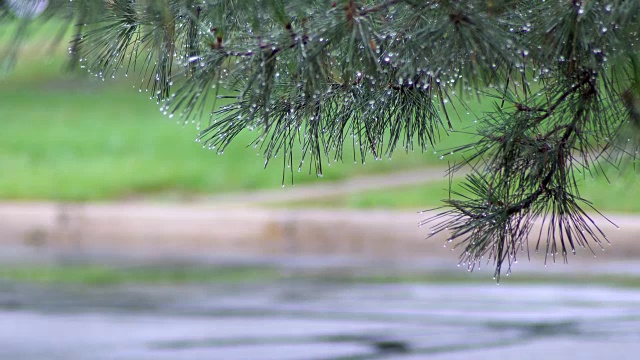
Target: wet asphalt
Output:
[{"x": 313, "y": 320}]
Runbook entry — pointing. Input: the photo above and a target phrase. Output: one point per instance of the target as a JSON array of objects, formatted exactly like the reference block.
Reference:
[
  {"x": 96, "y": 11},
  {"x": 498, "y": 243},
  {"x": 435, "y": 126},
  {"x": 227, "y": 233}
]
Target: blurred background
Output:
[{"x": 122, "y": 238}]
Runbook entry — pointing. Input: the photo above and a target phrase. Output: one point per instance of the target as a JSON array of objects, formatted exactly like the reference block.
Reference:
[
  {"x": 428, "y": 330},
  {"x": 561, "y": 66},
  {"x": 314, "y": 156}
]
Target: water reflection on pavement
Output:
[{"x": 334, "y": 321}]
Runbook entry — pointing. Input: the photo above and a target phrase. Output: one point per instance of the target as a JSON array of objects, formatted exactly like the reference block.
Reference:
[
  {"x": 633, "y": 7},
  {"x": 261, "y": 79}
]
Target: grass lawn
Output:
[
  {"x": 109, "y": 275},
  {"x": 97, "y": 275},
  {"x": 66, "y": 137}
]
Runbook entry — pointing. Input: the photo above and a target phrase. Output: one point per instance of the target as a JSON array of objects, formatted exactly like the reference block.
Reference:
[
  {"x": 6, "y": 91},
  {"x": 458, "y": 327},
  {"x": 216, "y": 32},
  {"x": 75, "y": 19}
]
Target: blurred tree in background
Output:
[{"x": 308, "y": 76}]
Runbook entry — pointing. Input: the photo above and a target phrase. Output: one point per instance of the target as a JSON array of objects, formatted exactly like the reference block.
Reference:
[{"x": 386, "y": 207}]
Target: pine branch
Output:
[{"x": 308, "y": 76}]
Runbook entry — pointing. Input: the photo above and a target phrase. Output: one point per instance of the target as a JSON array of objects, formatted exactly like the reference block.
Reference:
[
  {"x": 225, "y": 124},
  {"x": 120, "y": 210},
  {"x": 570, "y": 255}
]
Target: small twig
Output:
[{"x": 562, "y": 98}]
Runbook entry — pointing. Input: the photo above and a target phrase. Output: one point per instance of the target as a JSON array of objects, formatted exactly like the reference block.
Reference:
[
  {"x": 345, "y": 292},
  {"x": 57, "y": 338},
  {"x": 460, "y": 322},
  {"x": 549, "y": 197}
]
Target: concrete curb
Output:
[{"x": 176, "y": 231}]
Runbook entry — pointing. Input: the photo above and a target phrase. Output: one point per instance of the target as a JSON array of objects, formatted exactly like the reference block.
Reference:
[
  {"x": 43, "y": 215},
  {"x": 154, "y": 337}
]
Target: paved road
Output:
[{"x": 328, "y": 321}]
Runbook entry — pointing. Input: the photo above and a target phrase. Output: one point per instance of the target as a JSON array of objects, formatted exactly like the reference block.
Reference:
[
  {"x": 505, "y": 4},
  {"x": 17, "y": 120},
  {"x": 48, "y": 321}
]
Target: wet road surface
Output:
[{"x": 317, "y": 320}]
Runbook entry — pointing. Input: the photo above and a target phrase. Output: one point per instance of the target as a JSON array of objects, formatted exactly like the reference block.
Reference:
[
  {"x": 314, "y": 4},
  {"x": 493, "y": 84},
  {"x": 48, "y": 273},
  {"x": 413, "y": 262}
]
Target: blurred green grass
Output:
[
  {"x": 72, "y": 137},
  {"x": 98, "y": 275},
  {"x": 68, "y": 136},
  {"x": 76, "y": 140}
]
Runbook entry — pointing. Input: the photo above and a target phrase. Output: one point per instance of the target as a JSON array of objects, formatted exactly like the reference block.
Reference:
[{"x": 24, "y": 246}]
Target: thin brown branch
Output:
[{"x": 585, "y": 79}]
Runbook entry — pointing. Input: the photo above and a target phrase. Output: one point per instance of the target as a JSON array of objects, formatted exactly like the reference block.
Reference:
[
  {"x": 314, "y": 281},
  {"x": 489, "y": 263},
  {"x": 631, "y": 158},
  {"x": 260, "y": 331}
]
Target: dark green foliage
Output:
[{"x": 308, "y": 76}]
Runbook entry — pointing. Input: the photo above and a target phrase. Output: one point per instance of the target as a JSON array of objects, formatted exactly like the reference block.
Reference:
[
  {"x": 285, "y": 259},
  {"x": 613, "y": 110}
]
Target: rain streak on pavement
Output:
[{"x": 288, "y": 320}]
